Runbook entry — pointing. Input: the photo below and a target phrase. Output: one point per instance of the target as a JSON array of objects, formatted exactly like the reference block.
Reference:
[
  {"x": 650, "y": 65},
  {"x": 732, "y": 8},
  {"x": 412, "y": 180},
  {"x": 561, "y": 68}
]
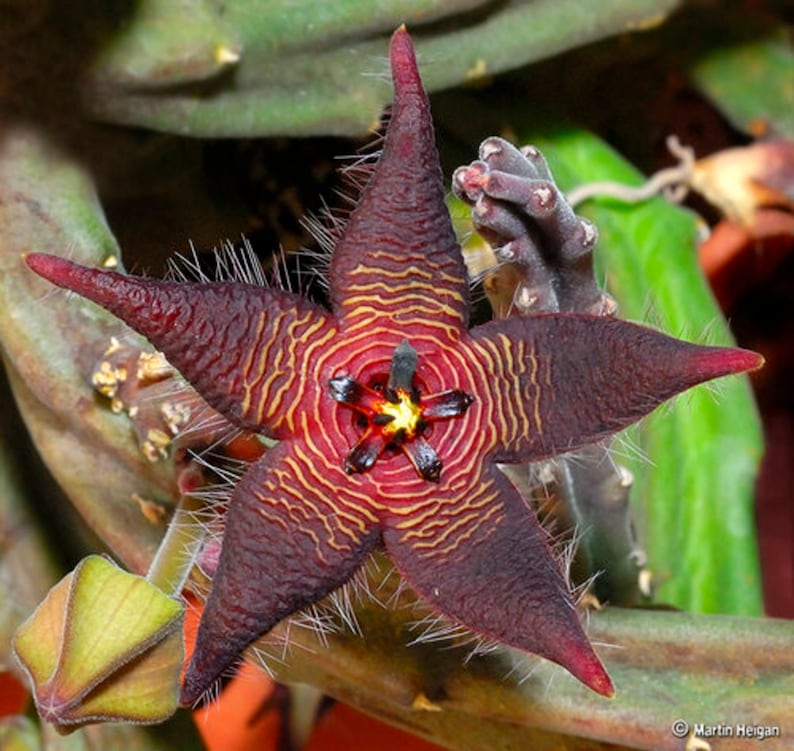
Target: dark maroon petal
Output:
[
  {"x": 493, "y": 572},
  {"x": 562, "y": 381},
  {"x": 289, "y": 541},
  {"x": 233, "y": 342},
  {"x": 398, "y": 258}
]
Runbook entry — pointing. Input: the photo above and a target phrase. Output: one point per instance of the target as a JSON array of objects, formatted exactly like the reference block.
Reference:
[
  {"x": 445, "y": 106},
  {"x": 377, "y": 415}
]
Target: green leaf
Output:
[
  {"x": 169, "y": 43},
  {"x": 27, "y": 566},
  {"x": 752, "y": 82},
  {"x": 51, "y": 343},
  {"x": 307, "y": 67},
  {"x": 694, "y": 492}
]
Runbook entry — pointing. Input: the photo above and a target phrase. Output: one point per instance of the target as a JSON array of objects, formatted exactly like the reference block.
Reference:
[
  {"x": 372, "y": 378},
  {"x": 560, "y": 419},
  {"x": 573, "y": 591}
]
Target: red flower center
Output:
[{"x": 397, "y": 415}]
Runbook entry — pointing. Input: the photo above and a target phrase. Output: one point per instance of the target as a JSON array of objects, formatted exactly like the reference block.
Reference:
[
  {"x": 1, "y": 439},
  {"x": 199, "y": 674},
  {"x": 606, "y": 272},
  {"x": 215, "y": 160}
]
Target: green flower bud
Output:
[{"x": 104, "y": 645}]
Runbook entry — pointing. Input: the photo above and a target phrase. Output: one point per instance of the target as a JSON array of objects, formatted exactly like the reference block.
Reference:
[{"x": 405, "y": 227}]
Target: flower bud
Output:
[{"x": 104, "y": 645}]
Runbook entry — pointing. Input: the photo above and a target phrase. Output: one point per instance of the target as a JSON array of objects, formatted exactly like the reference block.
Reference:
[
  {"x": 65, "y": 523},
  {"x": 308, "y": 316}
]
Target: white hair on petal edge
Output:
[
  {"x": 242, "y": 265},
  {"x": 334, "y": 614},
  {"x": 232, "y": 263},
  {"x": 521, "y": 666},
  {"x": 433, "y": 628},
  {"x": 328, "y": 225},
  {"x": 337, "y": 612},
  {"x": 205, "y": 422},
  {"x": 186, "y": 267},
  {"x": 439, "y": 630},
  {"x": 229, "y": 471},
  {"x": 626, "y": 445},
  {"x": 383, "y": 70},
  {"x": 209, "y": 697}
]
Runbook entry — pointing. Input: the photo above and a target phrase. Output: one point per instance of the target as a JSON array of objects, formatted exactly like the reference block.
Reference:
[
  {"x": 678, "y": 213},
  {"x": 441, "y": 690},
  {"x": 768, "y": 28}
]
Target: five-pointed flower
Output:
[{"x": 392, "y": 415}]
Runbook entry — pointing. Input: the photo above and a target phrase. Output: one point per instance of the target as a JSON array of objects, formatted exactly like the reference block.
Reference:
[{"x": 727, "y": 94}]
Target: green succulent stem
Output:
[{"x": 179, "y": 548}]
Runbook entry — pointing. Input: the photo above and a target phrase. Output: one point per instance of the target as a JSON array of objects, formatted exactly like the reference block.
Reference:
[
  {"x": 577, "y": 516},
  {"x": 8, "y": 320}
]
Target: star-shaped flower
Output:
[{"x": 392, "y": 415}]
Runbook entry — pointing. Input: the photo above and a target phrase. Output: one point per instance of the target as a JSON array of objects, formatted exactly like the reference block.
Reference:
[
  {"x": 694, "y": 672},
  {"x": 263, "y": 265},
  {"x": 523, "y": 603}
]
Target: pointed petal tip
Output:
[
  {"x": 746, "y": 360},
  {"x": 400, "y": 39},
  {"x": 584, "y": 665},
  {"x": 196, "y": 689},
  {"x": 189, "y": 695},
  {"x": 403, "y": 59},
  {"x": 62, "y": 272},
  {"x": 599, "y": 681},
  {"x": 714, "y": 362},
  {"x": 47, "y": 266}
]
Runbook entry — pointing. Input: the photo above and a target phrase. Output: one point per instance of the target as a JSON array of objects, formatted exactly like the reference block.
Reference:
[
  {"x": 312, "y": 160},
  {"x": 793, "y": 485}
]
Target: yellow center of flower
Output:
[{"x": 405, "y": 413}]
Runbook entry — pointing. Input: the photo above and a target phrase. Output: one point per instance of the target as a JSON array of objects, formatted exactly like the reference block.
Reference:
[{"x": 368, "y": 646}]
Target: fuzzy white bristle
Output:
[
  {"x": 328, "y": 225},
  {"x": 235, "y": 263}
]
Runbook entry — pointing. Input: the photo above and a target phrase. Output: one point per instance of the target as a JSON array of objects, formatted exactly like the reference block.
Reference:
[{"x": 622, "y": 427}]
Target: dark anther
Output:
[
  {"x": 425, "y": 459},
  {"x": 344, "y": 389},
  {"x": 362, "y": 456},
  {"x": 446, "y": 404}
]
